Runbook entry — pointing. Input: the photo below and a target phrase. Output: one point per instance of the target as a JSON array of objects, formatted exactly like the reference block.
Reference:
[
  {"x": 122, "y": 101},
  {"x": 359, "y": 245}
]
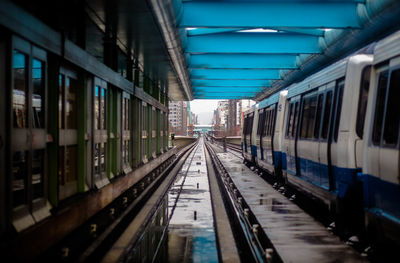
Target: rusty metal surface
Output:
[{"x": 296, "y": 236}]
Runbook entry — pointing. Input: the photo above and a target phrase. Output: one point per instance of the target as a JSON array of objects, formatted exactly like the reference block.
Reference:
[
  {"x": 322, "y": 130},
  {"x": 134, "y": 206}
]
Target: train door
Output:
[
  {"x": 67, "y": 133},
  {"x": 249, "y": 132},
  {"x": 307, "y": 153},
  {"x": 100, "y": 136},
  {"x": 385, "y": 130},
  {"x": 28, "y": 134},
  {"x": 291, "y": 137},
  {"x": 268, "y": 134},
  {"x": 324, "y": 141},
  {"x": 333, "y": 135},
  {"x": 143, "y": 143},
  {"x": 259, "y": 137},
  {"x": 126, "y": 127}
]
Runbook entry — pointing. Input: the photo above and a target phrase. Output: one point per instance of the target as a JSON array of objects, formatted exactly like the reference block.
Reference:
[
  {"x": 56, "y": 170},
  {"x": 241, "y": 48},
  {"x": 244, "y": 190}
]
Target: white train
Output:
[{"x": 335, "y": 136}]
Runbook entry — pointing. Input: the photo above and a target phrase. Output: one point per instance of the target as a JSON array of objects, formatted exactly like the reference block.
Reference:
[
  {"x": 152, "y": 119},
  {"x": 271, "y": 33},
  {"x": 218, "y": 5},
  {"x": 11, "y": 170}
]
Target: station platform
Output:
[{"x": 295, "y": 235}]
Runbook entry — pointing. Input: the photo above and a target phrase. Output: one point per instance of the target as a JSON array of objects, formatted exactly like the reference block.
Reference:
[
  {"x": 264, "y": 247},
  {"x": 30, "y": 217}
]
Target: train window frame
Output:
[
  {"x": 318, "y": 119},
  {"x": 338, "y": 107},
  {"x": 35, "y": 206},
  {"x": 387, "y": 111},
  {"x": 296, "y": 119},
  {"x": 260, "y": 121},
  {"x": 100, "y": 134},
  {"x": 376, "y": 139},
  {"x": 126, "y": 132},
  {"x": 326, "y": 116},
  {"x": 306, "y": 100},
  {"x": 363, "y": 101},
  {"x": 68, "y": 136},
  {"x": 289, "y": 121}
]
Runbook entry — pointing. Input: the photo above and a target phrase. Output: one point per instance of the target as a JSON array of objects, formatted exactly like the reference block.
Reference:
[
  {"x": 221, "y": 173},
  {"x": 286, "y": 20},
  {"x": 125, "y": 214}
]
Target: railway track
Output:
[
  {"x": 91, "y": 241},
  {"x": 252, "y": 241}
]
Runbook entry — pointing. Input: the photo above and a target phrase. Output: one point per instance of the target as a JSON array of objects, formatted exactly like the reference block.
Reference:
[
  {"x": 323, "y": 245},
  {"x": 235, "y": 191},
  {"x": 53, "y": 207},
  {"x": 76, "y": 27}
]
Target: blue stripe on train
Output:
[
  {"x": 317, "y": 174},
  {"x": 381, "y": 198},
  {"x": 254, "y": 150}
]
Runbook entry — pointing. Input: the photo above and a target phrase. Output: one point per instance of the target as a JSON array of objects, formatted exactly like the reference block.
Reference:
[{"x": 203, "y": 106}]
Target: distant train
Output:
[{"x": 335, "y": 136}]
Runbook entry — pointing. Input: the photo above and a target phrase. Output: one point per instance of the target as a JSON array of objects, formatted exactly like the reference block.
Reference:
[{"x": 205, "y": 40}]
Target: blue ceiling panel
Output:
[
  {"x": 260, "y": 14},
  {"x": 246, "y": 42},
  {"x": 226, "y": 89},
  {"x": 231, "y": 82},
  {"x": 242, "y": 61},
  {"x": 234, "y": 74}
]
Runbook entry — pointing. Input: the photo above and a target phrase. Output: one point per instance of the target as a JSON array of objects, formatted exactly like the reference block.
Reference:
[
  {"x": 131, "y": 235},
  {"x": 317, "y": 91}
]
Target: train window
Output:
[
  {"x": 289, "y": 120},
  {"x": 71, "y": 115},
  {"x": 28, "y": 122},
  {"x": 67, "y": 124},
  {"x": 307, "y": 122},
  {"x": 379, "y": 107},
  {"x": 126, "y": 135},
  {"x": 363, "y": 100},
  {"x": 19, "y": 178},
  {"x": 327, "y": 113},
  {"x": 311, "y": 116},
  {"x": 96, "y": 107},
  {"x": 338, "y": 109},
  {"x": 392, "y": 118},
  {"x": 272, "y": 121},
  {"x": 260, "y": 121},
  {"x": 305, "y": 112},
  {"x": 38, "y": 109},
  {"x": 100, "y": 133},
  {"x": 37, "y": 174},
  {"x": 251, "y": 124},
  {"x": 296, "y": 119},
  {"x": 266, "y": 122},
  {"x": 318, "y": 115},
  {"x": 103, "y": 109},
  {"x": 20, "y": 92}
]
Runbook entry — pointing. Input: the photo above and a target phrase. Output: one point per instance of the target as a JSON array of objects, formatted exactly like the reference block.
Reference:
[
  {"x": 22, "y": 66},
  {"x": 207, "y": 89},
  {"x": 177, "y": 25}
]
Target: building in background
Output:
[
  {"x": 181, "y": 118},
  {"x": 228, "y": 117}
]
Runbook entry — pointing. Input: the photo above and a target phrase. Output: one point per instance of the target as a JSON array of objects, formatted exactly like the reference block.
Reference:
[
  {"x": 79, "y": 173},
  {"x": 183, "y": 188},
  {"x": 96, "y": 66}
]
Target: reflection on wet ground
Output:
[{"x": 189, "y": 234}]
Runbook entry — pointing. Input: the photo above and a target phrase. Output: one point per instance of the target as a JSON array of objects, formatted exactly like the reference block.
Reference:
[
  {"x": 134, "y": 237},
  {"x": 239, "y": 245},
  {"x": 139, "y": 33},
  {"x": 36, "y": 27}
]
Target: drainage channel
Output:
[{"x": 182, "y": 228}]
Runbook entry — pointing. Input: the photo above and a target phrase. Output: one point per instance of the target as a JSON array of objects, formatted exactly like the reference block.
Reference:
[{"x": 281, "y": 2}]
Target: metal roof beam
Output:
[
  {"x": 207, "y": 31},
  {"x": 227, "y": 89},
  {"x": 231, "y": 82},
  {"x": 253, "y": 42},
  {"x": 234, "y": 74},
  {"x": 242, "y": 61},
  {"x": 310, "y": 14}
]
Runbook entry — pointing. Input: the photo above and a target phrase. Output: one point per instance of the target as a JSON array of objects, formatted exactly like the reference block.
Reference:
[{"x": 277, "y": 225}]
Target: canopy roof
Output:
[{"x": 236, "y": 49}]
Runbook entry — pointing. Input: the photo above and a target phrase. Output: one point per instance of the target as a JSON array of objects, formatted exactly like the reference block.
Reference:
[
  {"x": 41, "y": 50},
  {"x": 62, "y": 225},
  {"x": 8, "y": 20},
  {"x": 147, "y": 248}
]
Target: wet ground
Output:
[
  {"x": 182, "y": 230},
  {"x": 296, "y": 236}
]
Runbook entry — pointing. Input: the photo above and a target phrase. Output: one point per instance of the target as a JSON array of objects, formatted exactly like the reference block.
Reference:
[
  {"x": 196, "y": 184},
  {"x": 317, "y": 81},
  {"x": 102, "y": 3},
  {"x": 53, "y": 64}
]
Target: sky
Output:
[
  {"x": 198, "y": 106},
  {"x": 204, "y": 110}
]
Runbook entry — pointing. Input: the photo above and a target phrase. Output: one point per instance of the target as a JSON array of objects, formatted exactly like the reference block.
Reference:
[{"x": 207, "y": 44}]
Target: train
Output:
[
  {"x": 334, "y": 136},
  {"x": 75, "y": 134}
]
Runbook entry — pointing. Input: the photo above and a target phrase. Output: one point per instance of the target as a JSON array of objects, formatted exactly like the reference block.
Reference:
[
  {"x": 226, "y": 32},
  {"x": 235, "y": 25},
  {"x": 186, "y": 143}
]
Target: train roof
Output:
[
  {"x": 387, "y": 48},
  {"x": 270, "y": 100},
  {"x": 331, "y": 73}
]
